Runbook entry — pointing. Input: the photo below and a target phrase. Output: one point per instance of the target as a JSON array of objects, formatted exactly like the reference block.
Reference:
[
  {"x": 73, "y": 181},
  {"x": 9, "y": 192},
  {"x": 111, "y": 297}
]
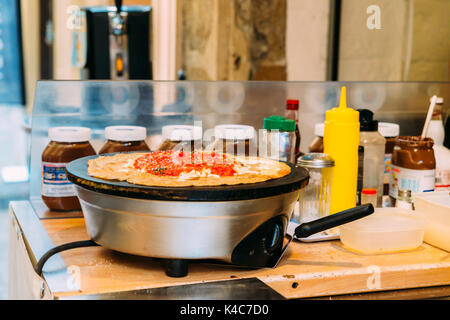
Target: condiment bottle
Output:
[
  {"x": 404, "y": 199},
  {"x": 341, "y": 141},
  {"x": 390, "y": 132},
  {"x": 317, "y": 144},
  {"x": 369, "y": 196},
  {"x": 235, "y": 139},
  {"x": 371, "y": 152},
  {"x": 66, "y": 144},
  {"x": 436, "y": 131},
  {"x": 292, "y": 109},
  {"x": 181, "y": 137},
  {"x": 413, "y": 166},
  {"x": 278, "y": 141},
  {"x": 124, "y": 139}
]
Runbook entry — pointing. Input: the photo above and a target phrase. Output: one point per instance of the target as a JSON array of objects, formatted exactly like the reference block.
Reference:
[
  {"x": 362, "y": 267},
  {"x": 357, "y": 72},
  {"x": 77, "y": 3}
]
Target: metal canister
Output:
[{"x": 314, "y": 200}]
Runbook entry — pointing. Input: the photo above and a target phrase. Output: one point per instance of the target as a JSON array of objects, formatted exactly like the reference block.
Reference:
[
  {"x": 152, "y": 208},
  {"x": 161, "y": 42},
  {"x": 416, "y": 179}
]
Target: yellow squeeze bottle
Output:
[{"x": 341, "y": 141}]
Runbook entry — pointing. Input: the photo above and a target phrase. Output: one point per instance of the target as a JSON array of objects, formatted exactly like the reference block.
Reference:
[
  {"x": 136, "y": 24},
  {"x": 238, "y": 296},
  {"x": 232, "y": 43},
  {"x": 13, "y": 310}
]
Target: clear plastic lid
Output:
[
  {"x": 182, "y": 133},
  {"x": 387, "y": 129},
  {"x": 69, "y": 134},
  {"x": 234, "y": 132},
  {"x": 125, "y": 133}
]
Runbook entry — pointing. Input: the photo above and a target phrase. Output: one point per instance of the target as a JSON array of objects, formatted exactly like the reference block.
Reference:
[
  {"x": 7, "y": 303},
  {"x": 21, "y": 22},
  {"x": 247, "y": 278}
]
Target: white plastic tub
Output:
[
  {"x": 435, "y": 208},
  {"x": 386, "y": 230}
]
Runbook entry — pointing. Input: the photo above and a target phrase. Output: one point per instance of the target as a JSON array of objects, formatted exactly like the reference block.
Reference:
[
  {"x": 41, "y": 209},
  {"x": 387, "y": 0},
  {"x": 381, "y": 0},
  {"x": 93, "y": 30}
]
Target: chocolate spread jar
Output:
[
  {"x": 124, "y": 139},
  {"x": 66, "y": 144},
  {"x": 235, "y": 139},
  {"x": 181, "y": 137},
  {"x": 317, "y": 143},
  {"x": 413, "y": 165}
]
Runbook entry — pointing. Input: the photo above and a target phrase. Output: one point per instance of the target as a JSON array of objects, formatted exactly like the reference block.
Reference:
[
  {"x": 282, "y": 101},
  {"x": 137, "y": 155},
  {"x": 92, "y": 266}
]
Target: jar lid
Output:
[
  {"x": 369, "y": 191},
  {"x": 182, "y": 133},
  {"x": 292, "y": 104},
  {"x": 319, "y": 128},
  {"x": 234, "y": 132},
  {"x": 279, "y": 123},
  {"x": 366, "y": 121},
  {"x": 125, "y": 133},
  {"x": 315, "y": 160},
  {"x": 387, "y": 129},
  {"x": 69, "y": 134},
  {"x": 414, "y": 142}
]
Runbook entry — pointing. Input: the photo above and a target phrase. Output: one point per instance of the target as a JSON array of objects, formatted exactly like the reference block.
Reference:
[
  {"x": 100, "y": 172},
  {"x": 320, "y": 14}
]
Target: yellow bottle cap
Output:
[{"x": 342, "y": 113}]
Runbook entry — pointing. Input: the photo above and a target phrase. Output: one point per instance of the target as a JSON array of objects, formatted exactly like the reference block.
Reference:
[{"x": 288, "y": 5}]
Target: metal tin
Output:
[{"x": 316, "y": 160}]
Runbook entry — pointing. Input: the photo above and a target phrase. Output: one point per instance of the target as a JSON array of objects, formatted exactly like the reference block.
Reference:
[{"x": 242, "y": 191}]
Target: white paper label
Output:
[
  {"x": 442, "y": 179},
  {"x": 409, "y": 179},
  {"x": 55, "y": 182}
]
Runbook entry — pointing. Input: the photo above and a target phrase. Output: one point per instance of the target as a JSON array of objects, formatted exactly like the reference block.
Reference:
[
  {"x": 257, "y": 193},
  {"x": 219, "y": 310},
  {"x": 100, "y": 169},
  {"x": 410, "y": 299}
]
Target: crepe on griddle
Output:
[{"x": 246, "y": 170}]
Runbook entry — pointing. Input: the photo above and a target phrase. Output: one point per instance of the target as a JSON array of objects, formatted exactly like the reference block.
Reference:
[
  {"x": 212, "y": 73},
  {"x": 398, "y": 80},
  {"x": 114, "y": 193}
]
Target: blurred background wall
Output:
[{"x": 264, "y": 39}]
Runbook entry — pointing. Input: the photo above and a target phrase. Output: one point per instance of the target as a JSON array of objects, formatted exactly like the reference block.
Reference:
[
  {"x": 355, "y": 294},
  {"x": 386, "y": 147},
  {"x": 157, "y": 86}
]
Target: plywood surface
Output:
[{"x": 306, "y": 270}]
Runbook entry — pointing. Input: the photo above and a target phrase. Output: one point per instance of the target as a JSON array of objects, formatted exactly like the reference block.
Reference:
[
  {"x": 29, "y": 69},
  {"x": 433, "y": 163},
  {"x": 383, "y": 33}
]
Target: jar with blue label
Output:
[
  {"x": 66, "y": 144},
  {"x": 413, "y": 166}
]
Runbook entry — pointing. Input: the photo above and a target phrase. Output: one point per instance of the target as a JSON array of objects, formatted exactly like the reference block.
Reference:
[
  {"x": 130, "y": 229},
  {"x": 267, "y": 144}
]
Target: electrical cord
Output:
[{"x": 60, "y": 248}]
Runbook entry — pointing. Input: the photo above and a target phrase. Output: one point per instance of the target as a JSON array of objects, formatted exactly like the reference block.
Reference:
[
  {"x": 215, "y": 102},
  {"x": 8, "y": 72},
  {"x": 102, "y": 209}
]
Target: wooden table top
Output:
[{"x": 306, "y": 269}]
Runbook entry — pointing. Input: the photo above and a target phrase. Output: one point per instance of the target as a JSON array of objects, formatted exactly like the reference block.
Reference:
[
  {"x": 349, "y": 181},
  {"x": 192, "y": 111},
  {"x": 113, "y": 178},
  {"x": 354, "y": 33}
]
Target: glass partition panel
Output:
[{"x": 154, "y": 104}]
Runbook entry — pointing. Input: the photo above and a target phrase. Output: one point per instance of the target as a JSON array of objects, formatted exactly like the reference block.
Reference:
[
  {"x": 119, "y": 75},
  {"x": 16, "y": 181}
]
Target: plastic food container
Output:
[
  {"x": 434, "y": 207},
  {"x": 387, "y": 230}
]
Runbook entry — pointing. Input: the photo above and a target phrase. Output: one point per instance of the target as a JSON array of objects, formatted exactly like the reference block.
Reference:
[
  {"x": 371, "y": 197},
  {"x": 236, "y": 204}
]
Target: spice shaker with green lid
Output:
[{"x": 278, "y": 141}]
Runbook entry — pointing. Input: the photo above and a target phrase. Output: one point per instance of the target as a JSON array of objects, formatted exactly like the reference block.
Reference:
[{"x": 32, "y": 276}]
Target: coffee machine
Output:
[{"x": 115, "y": 43}]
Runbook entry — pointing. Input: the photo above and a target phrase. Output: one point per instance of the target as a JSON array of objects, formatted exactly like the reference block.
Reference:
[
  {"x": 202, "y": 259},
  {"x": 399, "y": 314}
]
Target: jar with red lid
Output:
[
  {"x": 66, "y": 144},
  {"x": 124, "y": 139}
]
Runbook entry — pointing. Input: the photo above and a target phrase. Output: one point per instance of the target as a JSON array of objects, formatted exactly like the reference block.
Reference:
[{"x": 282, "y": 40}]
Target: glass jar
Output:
[
  {"x": 404, "y": 199},
  {"x": 66, "y": 144},
  {"x": 181, "y": 137},
  {"x": 369, "y": 196},
  {"x": 124, "y": 139},
  {"x": 235, "y": 139},
  {"x": 413, "y": 166},
  {"x": 317, "y": 144},
  {"x": 314, "y": 200}
]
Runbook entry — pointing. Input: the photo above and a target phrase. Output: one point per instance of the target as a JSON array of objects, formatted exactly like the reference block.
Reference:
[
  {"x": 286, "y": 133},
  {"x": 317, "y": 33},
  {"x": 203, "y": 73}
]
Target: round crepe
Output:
[{"x": 248, "y": 170}]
